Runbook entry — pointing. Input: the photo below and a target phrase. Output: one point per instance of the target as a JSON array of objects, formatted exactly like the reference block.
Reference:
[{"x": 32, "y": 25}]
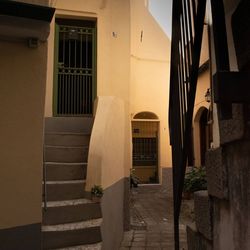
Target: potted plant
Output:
[
  {"x": 195, "y": 180},
  {"x": 96, "y": 193}
]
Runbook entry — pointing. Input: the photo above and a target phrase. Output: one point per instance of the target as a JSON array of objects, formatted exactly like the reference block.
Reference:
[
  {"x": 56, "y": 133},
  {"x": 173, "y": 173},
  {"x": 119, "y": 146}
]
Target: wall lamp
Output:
[{"x": 208, "y": 95}]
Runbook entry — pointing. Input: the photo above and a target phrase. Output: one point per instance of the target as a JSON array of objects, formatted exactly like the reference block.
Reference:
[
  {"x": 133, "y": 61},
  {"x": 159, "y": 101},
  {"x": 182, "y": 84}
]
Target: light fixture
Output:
[{"x": 208, "y": 95}]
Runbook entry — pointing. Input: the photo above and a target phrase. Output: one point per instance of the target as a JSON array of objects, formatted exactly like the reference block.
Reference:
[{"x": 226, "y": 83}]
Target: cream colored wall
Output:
[
  {"x": 204, "y": 46},
  {"x": 22, "y": 94},
  {"x": 149, "y": 86},
  {"x": 113, "y": 52},
  {"x": 107, "y": 147},
  {"x": 113, "y": 56}
]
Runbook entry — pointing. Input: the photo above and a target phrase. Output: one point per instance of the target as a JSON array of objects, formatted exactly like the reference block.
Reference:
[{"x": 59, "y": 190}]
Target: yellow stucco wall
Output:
[
  {"x": 113, "y": 68},
  {"x": 107, "y": 147},
  {"x": 113, "y": 52},
  {"x": 150, "y": 70},
  {"x": 22, "y": 94}
]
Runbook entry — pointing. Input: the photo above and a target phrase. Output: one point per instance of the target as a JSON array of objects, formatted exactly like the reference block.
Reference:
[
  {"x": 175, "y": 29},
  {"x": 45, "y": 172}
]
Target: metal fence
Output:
[
  {"x": 145, "y": 151},
  {"x": 187, "y": 29}
]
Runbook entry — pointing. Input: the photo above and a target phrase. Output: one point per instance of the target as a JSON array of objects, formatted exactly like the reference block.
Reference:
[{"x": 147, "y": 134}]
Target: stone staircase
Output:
[{"x": 70, "y": 219}]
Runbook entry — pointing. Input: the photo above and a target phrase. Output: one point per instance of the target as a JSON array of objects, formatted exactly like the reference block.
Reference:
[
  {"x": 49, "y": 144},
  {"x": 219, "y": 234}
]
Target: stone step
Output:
[
  {"x": 61, "y": 212},
  {"x": 66, "y": 154},
  {"x": 59, "y": 171},
  {"x": 66, "y": 139},
  {"x": 71, "y": 234},
  {"x": 196, "y": 240},
  {"x": 65, "y": 190},
  {"x": 203, "y": 210},
  {"x": 97, "y": 246},
  {"x": 69, "y": 124}
]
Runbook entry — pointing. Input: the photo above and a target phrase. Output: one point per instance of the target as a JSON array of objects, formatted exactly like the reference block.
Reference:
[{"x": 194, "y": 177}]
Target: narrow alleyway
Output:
[{"x": 152, "y": 220}]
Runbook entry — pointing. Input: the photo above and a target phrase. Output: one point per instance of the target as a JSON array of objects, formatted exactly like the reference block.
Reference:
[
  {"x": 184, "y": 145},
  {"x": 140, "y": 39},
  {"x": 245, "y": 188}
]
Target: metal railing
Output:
[
  {"x": 74, "y": 91},
  {"x": 145, "y": 151},
  {"x": 187, "y": 30}
]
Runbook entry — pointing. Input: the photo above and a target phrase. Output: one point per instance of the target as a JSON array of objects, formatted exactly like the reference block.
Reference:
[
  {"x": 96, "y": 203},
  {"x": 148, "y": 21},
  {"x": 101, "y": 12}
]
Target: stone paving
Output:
[{"x": 152, "y": 220}]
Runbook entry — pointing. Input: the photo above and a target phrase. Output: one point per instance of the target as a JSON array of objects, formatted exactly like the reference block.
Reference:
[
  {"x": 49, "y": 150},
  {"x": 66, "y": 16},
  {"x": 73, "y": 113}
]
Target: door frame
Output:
[{"x": 77, "y": 22}]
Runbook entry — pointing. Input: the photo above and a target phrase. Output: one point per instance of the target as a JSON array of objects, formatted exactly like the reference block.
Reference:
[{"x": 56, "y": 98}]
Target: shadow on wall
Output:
[{"x": 106, "y": 166}]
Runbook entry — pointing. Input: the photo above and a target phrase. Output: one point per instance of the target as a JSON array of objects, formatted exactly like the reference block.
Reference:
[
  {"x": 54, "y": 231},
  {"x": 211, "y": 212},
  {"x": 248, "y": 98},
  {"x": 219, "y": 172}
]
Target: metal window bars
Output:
[{"x": 187, "y": 30}]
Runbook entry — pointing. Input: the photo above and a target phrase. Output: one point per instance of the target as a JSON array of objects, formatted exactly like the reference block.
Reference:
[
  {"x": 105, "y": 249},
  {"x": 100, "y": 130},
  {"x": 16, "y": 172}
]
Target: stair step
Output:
[
  {"x": 71, "y": 234},
  {"x": 65, "y": 171},
  {"x": 69, "y": 221},
  {"x": 97, "y": 246},
  {"x": 67, "y": 203},
  {"x": 59, "y": 212},
  {"x": 65, "y": 190},
  {"x": 66, "y": 154},
  {"x": 72, "y": 226},
  {"x": 66, "y": 139},
  {"x": 69, "y": 124}
]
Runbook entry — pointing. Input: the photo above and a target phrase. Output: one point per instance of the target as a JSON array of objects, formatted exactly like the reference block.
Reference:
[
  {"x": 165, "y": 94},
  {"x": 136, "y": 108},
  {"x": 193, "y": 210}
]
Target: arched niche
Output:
[{"x": 146, "y": 115}]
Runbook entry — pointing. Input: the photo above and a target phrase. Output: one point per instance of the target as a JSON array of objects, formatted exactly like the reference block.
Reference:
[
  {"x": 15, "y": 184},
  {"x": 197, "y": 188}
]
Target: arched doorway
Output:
[
  {"x": 145, "y": 126},
  {"x": 202, "y": 135}
]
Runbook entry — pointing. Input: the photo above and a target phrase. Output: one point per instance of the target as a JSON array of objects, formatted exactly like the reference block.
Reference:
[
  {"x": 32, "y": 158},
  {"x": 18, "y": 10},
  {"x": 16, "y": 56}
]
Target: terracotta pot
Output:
[
  {"x": 186, "y": 195},
  {"x": 96, "y": 199}
]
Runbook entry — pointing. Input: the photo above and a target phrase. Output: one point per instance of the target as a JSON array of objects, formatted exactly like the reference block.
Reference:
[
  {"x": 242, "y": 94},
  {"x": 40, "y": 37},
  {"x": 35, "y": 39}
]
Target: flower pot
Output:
[
  {"x": 186, "y": 195},
  {"x": 96, "y": 199}
]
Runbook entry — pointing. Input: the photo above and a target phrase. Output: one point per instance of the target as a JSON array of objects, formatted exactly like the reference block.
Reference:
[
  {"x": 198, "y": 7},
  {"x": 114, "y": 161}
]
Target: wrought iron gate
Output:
[
  {"x": 145, "y": 150},
  {"x": 75, "y": 68}
]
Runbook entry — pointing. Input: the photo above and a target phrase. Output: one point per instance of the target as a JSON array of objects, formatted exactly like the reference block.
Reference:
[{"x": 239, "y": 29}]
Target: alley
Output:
[{"x": 152, "y": 220}]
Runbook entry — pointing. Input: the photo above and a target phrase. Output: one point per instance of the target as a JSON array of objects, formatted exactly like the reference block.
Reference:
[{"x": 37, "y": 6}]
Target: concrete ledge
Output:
[
  {"x": 167, "y": 183},
  {"x": 196, "y": 241},
  {"x": 69, "y": 124},
  {"x": 68, "y": 238},
  {"x": 26, "y": 237},
  {"x": 203, "y": 214},
  {"x": 232, "y": 129},
  {"x": 126, "y": 204},
  {"x": 113, "y": 215},
  {"x": 78, "y": 210},
  {"x": 216, "y": 173}
]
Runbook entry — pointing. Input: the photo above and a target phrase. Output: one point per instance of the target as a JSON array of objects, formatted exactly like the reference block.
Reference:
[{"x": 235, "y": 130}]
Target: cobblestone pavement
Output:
[{"x": 152, "y": 220}]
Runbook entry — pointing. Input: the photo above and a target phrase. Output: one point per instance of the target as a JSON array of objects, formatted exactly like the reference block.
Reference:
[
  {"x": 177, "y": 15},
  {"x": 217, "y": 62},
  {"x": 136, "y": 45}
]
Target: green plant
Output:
[
  {"x": 195, "y": 180},
  {"x": 97, "y": 191}
]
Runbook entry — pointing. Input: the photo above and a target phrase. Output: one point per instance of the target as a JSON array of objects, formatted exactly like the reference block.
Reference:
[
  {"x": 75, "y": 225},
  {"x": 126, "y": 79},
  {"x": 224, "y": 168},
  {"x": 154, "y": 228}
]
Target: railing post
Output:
[
  {"x": 185, "y": 58},
  {"x": 221, "y": 49}
]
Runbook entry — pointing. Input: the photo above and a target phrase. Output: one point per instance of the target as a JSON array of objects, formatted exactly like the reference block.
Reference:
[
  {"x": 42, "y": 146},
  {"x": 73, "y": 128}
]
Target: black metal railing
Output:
[{"x": 187, "y": 30}]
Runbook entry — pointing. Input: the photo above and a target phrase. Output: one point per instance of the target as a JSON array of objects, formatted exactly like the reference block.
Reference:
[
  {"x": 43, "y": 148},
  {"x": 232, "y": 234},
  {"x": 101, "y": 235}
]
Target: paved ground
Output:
[{"x": 152, "y": 220}]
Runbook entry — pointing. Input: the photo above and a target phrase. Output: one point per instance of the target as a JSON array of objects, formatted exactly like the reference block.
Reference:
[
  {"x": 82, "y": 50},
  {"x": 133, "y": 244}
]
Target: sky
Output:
[{"x": 162, "y": 12}]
